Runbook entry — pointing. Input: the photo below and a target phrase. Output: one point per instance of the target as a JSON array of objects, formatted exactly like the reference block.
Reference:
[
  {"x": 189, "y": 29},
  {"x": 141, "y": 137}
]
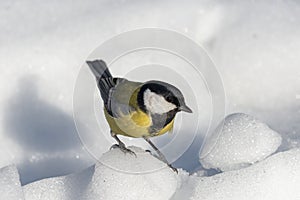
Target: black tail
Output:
[
  {"x": 104, "y": 78},
  {"x": 99, "y": 69}
]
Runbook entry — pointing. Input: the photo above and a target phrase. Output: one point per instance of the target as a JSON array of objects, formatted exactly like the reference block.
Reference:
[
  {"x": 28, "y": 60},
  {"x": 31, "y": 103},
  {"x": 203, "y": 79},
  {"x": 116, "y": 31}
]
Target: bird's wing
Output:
[{"x": 122, "y": 99}]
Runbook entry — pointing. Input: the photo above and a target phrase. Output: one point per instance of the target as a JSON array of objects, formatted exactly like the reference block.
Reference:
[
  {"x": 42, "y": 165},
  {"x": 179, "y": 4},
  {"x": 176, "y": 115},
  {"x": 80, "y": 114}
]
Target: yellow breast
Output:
[{"x": 135, "y": 124}]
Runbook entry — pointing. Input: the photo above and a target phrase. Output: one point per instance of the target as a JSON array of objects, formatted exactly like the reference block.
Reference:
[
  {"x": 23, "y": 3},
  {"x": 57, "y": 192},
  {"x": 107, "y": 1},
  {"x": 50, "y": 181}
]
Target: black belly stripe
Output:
[{"x": 159, "y": 121}]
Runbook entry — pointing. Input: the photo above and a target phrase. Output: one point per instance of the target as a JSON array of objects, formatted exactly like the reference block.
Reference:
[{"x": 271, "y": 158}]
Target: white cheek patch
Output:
[{"x": 156, "y": 103}]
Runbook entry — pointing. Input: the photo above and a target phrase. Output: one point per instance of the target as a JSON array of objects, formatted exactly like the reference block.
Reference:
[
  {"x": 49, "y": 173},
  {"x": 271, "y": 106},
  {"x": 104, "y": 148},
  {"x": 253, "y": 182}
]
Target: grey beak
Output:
[{"x": 185, "y": 108}]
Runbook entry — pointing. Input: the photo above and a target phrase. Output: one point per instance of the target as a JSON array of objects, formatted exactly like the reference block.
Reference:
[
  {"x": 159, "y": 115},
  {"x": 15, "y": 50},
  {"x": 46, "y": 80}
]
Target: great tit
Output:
[{"x": 137, "y": 109}]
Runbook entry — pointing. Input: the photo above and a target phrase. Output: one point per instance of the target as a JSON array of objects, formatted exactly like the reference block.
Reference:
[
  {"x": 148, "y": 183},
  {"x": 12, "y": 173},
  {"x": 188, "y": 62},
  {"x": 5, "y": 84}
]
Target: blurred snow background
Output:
[{"x": 255, "y": 46}]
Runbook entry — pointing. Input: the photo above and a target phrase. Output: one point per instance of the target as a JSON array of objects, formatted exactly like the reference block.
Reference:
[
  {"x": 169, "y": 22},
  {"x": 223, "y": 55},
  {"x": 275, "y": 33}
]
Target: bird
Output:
[{"x": 137, "y": 109}]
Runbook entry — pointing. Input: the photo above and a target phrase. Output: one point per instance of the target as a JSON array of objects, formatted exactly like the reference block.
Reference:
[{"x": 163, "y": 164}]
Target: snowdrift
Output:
[
  {"x": 275, "y": 178},
  {"x": 125, "y": 176}
]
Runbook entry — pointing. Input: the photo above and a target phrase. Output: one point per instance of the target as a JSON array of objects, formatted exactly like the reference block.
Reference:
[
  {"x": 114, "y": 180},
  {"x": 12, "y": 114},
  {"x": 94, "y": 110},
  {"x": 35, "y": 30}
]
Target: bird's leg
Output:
[
  {"x": 121, "y": 145},
  {"x": 161, "y": 156}
]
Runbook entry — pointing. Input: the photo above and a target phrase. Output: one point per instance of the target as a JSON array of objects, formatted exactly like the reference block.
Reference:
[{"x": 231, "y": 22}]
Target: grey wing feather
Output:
[
  {"x": 115, "y": 92},
  {"x": 120, "y": 96}
]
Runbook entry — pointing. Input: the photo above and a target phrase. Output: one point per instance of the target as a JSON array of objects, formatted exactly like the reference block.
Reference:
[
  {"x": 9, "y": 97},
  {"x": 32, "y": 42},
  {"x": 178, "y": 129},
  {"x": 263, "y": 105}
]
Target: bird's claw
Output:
[
  {"x": 115, "y": 146},
  {"x": 173, "y": 168},
  {"x": 148, "y": 151},
  {"x": 123, "y": 149}
]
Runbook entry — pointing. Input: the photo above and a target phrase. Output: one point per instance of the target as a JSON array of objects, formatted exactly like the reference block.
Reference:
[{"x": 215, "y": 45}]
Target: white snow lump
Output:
[
  {"x": 116, "y": 176},
  {"x": 240, "y": 140},
  {"x": 10, "y": 186}
]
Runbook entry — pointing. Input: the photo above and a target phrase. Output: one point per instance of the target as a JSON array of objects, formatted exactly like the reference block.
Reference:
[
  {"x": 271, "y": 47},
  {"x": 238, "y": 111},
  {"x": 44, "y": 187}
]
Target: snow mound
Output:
[
  {"x": 242, "y": 140},
  {"x": 70, "y": 187},
  {"x": 10, "y": 186},
  {"x": 121, "y": 176},
  {"x": 276, "y": 178},
  {"x": 48, "y": 189},
  {"x": 116, "y": 176}
]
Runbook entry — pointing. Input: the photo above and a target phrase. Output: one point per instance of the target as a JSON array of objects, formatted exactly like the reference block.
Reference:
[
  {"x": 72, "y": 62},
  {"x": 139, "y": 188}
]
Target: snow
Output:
[
  {"x": 239, "y": 141},
  {"x": 10, "y": 186},
  {"x": 115, "y": 176},
  {"x": 64, "y": 188},
  {"x": 124, "y": 176},
  {"x": 257, "y": 54},
  {"x": 254, "y": 44},
  {"x": 54, "y": 188},
  {"x": 276, "y": 178},
  {"x": 128, "y": 177}
]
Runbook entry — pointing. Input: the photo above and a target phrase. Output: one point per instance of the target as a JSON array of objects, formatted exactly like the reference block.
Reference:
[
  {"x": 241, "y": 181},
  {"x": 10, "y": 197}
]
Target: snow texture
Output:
[
  {"x": 127, "y": 177},
  {"x": 121, "y": 176},
  {"x": 254, "y": 44},
  {"x": 10, "y": 186},
  {"x": 116, "y": 176},
  {"x": 239, "y": 141},
  {"x": 64, "y": 188},
  {"x": 276, "y": 178}
]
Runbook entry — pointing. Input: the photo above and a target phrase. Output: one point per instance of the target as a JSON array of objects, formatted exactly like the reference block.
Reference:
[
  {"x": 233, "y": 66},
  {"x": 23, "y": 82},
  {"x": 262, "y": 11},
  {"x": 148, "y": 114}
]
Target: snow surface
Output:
[
  {"x": 239, "y": 141},
  {"x": 129, "y": 178},
  {"x": 10, "y": 186},
  {"x": 64, "y": 188},
  {"x": 276, "y": 178},
  {"x": 255, "y": 45},
  {"x": 123, "y": 176},
  {"x": 116, "y": 176}
]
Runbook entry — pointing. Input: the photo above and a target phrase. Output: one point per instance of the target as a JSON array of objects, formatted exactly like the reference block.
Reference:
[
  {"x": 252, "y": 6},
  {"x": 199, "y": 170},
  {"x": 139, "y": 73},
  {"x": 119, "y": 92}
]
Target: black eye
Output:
[{"x": 170, "y": 98}]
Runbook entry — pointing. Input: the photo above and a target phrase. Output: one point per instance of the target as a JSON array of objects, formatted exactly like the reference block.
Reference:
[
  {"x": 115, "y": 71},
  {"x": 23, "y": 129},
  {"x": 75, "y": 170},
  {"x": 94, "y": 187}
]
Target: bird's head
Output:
[{"x": 158, "y": 97}]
